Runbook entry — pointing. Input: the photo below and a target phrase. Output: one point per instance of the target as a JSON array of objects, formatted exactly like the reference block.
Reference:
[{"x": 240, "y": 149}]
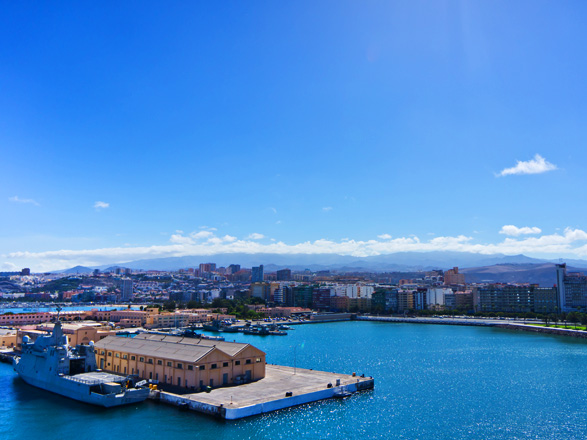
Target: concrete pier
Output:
[{"x": 282, "y": 387}]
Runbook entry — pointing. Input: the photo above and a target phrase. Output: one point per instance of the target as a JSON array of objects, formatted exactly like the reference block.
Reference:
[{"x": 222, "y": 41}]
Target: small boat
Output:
[{"x": 342, "y": 393}]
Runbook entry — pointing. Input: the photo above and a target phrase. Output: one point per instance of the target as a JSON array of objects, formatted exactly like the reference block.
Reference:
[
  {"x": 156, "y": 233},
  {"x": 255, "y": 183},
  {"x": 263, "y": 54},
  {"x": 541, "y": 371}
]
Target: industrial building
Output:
[{"x": 185, "y": 362}]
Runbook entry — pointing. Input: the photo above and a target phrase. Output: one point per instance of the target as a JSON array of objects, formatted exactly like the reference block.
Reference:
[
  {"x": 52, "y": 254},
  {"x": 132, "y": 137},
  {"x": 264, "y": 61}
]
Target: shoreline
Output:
[{"x": 480, "y": 322}]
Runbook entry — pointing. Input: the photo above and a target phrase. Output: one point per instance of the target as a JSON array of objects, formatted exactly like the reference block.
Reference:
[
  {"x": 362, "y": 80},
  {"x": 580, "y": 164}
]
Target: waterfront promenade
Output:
[
  {"x": 431, "y": 320},
  {"x": 509, "y": 324}
]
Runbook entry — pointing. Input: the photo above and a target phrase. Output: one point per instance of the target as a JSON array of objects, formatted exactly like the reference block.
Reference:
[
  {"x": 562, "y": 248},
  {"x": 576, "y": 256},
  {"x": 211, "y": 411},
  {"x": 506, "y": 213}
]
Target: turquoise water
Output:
[{"x": 431, "y": 382}]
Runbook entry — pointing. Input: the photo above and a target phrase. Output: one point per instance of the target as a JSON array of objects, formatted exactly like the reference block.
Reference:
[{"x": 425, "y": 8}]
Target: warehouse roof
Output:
[{"x": 170, "y": 347}]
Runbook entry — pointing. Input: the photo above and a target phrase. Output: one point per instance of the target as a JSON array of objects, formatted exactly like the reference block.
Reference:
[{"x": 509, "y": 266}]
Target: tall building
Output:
[
  {"x": 207, "y": 267},
  {"x": 506, "y": 298},
  {"x": 452, "y": 276},
  {"x": 126, "y": 289},
  {"x": 283, "y": 275},
  {"x": 233, "y": 268},
  {"x": 435, "y": 298},
  {"x": 261, "y": 290},
  {"x": 257, "y": 274},
  {"x": 321, "y": 298},
  {"x": 303, "y": 296},
  {"x": 572, "y": 289},
  {"x": 384, "y": 300}
]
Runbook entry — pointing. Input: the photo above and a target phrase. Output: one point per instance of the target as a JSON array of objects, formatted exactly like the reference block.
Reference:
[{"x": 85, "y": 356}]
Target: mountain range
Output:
[{"x": 477, "y": 267}]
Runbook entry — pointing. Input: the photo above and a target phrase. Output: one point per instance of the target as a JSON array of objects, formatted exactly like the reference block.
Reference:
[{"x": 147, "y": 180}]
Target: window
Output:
[
  {"x": 248, "y": 361},
  {"x": 125, "y": 356},
  {"x": 202, "y": 367},
  {"x": 258, "y": 360},
  {"x": 117, "y": 355},
  {"x": 132, "y": 358},
  {"x": 190, "y": 367},
  {"x": 225, "y": 364},
  {"x": 169, "y": 364},
  {"x": 109, "y": 353},
  {"x": 141, "y": 359},
  {"x": 102, "y": 352},
  {"x": 180, "y": 366},
  {"x": 150, "y": 361},
  {"x": 213, "y": 367},
  {"x": 237, "y": 362},
  {"x": 159, "y": 362}
]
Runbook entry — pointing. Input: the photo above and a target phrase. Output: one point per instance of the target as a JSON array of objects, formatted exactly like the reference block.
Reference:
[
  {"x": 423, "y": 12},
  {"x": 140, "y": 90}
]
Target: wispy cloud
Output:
[
  {"x": 533, "y": 166},
  {"x": 255, "y": 236},
  {"x": 327, "y": 209},
  {"x": 515, "y": 231},
  {"x": 17, "y": 199},
  {"x": 384, "y": 237},
  {"x": 101, "y": 205}
]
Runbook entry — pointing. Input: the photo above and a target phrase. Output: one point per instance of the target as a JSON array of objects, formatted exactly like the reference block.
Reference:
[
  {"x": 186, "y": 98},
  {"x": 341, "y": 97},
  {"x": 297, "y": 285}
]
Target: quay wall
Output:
[
  {"x": 441, "y": 321},
  {"x": 301, "y": 399},
  {"x": 187, "y": 403},
  {"x": 546, "y": 330},
  {"x": 228, "y": 413}
]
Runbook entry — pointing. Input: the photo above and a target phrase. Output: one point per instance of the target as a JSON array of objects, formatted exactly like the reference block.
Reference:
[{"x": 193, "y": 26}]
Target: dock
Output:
[{"x": 282, "y": 387}]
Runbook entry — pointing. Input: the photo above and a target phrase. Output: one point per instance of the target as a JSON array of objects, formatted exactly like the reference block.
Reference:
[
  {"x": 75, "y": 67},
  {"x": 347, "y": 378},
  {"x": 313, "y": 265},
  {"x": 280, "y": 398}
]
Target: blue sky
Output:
[{"x": 347, "y": 127}]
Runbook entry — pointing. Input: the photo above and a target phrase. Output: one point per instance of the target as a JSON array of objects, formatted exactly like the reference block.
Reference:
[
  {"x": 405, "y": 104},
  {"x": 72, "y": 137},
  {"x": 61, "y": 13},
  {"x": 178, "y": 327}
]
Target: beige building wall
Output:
[
  {"x": 215, "y": 369},
  {"x": 8, "y": 341}
]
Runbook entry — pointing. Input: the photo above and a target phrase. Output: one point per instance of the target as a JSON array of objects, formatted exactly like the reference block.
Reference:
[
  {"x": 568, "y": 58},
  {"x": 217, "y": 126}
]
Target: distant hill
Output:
[
  {"x": 78, "y": 269},
  {"x": 406, "y": 261},
  {"x": 543, "y": 274},
  {"x": 477, "y": 267}
]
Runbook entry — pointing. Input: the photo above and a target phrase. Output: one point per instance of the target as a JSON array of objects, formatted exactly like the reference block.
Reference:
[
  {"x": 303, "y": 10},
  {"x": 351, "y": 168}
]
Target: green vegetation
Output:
[
  {"x": 60, "y": 285},
  {"x": 568, "y": 326},
  {"x": 237, "y": 307}
]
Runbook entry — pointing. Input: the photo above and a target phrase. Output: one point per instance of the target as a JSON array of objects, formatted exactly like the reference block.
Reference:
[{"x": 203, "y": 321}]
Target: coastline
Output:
[{"x": 479, "y": 322}]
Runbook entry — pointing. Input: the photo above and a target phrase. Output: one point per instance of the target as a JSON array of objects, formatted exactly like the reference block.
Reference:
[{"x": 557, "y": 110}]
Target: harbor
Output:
[
  {"x": 282, "y": 387},
  {"x": 416, "y": 368}
]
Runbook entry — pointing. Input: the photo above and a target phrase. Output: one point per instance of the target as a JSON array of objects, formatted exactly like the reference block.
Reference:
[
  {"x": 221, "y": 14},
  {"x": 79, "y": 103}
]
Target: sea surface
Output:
[{"x": 431, "y": 382}]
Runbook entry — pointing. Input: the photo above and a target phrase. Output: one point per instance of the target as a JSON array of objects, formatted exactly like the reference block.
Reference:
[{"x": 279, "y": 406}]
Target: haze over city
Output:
[{"x": 147, "y": 130}]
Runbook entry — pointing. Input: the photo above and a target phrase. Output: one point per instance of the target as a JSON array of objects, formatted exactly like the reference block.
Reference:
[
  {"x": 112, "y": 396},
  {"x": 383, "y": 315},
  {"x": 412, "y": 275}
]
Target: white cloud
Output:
[
  {"x": 201, "y": 234},
  {"x": 273, "y": 210},
  {"x": 515, "y": 231},
  {"x": 570, "y": 242},
  {"x": 101, "y": 205},
  {"x": 180, "y": 239},
  {"x": 384, "y": 236},
  {"x": 8, "y": 267},
  {"x": 533, "y": 166},
  {"x": 17, "y": 199},
  {"x": 327, "y": 209},
  {"x": 255, "y": 236}
]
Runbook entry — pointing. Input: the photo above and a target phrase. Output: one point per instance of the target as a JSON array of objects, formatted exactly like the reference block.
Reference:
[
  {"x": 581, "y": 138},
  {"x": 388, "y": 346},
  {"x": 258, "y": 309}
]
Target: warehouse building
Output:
[{"x": 186, "y": 362}]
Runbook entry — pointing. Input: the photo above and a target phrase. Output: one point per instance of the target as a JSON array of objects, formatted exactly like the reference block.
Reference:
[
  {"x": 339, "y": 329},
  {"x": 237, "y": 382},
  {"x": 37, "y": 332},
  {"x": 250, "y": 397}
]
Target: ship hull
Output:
[{"x": 82, "y": 393}]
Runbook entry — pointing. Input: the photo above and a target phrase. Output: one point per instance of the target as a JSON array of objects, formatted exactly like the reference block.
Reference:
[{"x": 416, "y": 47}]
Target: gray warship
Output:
[{"x": 51, "y": 364}]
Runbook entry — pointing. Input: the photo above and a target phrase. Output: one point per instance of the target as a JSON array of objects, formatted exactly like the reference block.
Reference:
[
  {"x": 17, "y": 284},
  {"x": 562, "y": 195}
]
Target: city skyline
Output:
[{"x": 145, "y": 131}]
